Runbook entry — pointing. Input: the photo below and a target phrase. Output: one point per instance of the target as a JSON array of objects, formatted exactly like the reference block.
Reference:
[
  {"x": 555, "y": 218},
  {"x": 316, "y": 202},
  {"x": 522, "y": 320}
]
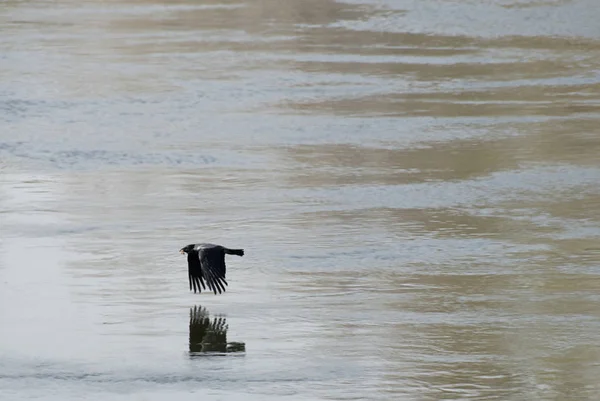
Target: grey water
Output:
[{"x": 415, "y": 185}]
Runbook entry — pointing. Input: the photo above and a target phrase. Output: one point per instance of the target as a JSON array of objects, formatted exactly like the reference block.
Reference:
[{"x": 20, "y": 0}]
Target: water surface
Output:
[{"x": 415, "y": 185}]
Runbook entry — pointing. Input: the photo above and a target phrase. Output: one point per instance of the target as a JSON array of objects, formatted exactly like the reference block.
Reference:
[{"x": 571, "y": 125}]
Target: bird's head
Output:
[{"x": 187, "y": 249}]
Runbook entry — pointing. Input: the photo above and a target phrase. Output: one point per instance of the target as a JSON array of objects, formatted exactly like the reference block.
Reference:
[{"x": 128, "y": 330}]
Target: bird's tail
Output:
[{"x": 239, "y": 252}]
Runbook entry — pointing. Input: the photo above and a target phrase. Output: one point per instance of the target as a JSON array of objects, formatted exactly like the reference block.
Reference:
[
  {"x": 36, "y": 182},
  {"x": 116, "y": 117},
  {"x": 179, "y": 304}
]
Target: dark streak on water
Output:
[{"x": 415, "y": 185}]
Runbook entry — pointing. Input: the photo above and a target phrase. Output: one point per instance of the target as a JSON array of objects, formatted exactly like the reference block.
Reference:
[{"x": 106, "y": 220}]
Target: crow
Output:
[{"x": 206, "y": 262}]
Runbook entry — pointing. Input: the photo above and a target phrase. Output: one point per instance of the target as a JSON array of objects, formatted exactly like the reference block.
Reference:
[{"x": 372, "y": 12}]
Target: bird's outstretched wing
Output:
[
  {"x": 195, "y": 272},
  {"x": 212, "y": 265}
]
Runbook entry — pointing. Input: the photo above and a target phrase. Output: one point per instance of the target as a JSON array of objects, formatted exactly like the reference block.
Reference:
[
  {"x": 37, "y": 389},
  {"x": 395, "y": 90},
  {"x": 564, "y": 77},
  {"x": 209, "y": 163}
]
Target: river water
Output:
[{"x": 415, "y": 183}]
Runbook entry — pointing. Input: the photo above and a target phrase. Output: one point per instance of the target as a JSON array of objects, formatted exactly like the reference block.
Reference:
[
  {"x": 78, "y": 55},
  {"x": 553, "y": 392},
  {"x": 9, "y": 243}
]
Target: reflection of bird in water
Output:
[
  {"x": 210, "y": 335},
  {"x": 206, "y": 262}
]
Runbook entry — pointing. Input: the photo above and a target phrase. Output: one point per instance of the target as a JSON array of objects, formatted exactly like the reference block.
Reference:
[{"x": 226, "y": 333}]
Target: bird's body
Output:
[{"x": 206, "y": 263}]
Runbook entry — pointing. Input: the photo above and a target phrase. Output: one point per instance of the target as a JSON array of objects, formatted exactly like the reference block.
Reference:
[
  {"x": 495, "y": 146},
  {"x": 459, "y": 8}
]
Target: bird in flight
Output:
[{"x": 206, "y": 262}]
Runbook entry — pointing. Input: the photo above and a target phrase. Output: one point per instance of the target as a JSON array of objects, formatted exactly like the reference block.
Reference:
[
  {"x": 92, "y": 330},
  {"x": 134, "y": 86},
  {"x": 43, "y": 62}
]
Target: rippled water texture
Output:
[{"x": 415, "y": 183}]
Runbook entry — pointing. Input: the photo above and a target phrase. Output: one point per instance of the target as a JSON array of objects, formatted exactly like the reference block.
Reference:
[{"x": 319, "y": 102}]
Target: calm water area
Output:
[{"x": 416, "y": 185}]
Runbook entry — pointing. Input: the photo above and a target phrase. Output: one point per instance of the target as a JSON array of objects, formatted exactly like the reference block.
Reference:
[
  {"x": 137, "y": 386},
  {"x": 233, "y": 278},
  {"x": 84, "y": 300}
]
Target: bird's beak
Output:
[{"x": 181, "y": 251}]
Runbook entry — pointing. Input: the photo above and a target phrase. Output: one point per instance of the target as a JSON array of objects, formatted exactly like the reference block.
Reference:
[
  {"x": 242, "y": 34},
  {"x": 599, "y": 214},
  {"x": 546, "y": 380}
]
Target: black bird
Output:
[{"x": 206, "y": 262}]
